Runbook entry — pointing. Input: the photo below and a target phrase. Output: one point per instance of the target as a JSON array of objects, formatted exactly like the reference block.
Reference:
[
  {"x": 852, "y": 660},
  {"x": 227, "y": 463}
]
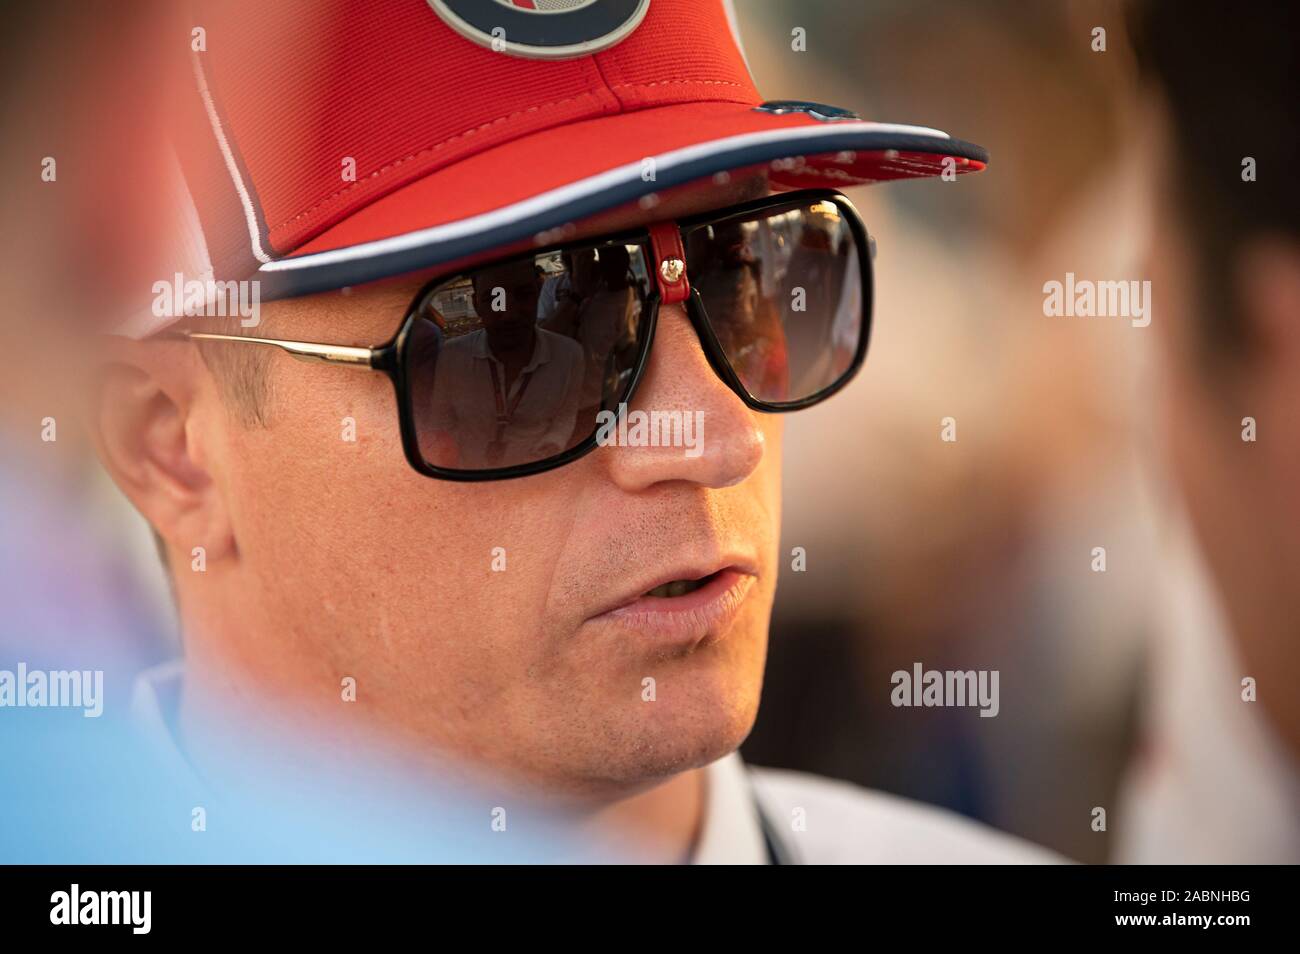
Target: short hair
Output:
[
  {"x": 1229, "y": 76},
  {"x": 242, "y": 372}
]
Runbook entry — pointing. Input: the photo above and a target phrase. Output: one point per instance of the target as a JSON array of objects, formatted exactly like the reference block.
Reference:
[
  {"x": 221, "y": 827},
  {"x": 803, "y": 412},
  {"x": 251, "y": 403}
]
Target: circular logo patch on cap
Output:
[{"x": 543, "y": 29}]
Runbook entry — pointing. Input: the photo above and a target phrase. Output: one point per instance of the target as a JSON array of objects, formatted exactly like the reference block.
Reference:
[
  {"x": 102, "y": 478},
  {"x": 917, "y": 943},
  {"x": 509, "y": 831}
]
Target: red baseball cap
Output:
[{"x": 334, "y": 142}]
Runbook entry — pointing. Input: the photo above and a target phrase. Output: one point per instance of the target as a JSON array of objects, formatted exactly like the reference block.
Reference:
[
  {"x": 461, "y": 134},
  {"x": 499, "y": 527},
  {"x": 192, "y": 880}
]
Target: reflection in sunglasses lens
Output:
[
  {"x": 783, "y": 293},
  {"x": 511, "y": 363}
]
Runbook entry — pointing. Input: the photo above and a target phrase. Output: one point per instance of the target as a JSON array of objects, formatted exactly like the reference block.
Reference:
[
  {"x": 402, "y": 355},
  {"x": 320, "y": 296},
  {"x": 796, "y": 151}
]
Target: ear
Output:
[{"x": 155, "y": 445}]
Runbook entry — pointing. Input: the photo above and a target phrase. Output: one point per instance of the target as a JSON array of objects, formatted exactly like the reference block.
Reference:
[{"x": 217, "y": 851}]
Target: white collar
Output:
[
  {"x": 731, "y": 832},
  {"x": 541, "y": 349},
  {"x": 155, "y": 708}
]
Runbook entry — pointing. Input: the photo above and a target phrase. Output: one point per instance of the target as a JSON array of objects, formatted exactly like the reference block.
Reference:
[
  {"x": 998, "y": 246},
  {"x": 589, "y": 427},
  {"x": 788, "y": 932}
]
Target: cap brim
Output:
[{"x": 511, "y": 193}]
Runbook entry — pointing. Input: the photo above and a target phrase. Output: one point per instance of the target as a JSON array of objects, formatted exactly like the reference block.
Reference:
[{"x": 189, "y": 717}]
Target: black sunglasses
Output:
[{"x": 512, "y": 367}]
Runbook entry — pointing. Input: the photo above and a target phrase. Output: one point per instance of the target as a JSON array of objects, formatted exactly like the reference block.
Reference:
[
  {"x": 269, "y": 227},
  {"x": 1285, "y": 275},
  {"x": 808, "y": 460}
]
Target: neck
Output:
[
  {"x": 659, "y": 826},
  {"x": 233, "y": 728}
]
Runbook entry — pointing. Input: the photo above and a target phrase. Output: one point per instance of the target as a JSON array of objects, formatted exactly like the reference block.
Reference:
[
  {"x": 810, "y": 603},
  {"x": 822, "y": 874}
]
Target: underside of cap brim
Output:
[{"x": 512, "y": 193}]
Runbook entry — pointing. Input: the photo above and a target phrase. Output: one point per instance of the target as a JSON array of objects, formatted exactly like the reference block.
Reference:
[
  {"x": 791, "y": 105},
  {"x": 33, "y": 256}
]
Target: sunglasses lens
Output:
[
  {"x": 783, "y": 291},
  {"x": 509, "y": 364}
]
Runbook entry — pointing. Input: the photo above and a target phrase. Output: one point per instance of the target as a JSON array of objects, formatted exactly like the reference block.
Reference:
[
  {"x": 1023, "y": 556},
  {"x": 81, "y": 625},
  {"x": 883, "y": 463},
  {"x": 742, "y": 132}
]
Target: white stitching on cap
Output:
[{"x": 254, "y": 234}]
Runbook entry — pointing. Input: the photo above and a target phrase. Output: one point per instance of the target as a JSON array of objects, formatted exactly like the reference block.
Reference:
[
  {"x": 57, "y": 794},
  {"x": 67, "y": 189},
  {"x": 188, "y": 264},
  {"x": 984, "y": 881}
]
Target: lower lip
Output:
[{"x": 701, "y": 613}]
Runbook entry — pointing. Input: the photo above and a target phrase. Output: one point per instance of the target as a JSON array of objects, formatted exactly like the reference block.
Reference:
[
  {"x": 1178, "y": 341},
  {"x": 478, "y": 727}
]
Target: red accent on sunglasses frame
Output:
[{"x": 666, "y": 242}]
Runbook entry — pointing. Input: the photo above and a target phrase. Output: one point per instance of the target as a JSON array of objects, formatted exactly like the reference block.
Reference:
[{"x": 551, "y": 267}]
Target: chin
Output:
[{"x": 704, "y": 709}]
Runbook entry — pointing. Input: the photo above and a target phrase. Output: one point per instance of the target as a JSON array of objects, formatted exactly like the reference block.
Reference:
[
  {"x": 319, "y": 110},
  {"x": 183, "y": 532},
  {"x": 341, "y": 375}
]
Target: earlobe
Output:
[{"x": 148, "y": 442}]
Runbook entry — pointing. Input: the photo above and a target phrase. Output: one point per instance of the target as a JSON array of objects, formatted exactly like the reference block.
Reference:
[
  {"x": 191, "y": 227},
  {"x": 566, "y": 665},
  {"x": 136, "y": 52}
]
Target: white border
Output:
[{"x": 565, "y": 194}]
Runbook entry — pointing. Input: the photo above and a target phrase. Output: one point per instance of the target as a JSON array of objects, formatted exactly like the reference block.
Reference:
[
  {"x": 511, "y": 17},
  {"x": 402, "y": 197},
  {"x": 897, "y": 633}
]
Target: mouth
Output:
[
  {"x": 683, "y": 607},
  {"x": 676, "y": 588}
]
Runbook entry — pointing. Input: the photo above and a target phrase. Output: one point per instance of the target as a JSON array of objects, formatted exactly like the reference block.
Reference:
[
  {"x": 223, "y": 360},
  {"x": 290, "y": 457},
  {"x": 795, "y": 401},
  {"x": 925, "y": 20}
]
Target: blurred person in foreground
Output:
[
  {"x": 1217, "y": 778},
  {"x": 79, "y": 617},
  {"x": 585, "y": 628}
]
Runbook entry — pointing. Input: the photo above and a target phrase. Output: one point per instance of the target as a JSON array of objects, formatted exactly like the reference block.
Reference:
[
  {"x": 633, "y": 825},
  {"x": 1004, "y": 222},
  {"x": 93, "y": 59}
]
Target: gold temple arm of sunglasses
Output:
[{"x": 302, "y": 350}]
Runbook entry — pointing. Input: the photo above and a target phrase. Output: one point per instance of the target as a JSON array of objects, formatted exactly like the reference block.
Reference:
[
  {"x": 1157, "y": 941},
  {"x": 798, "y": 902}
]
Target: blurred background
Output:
[{"x": 977, "y": 553}]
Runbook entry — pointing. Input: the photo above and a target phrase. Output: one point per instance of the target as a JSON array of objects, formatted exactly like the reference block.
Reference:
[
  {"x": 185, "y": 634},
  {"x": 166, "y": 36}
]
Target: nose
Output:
[{"x": 679, "y": 384}]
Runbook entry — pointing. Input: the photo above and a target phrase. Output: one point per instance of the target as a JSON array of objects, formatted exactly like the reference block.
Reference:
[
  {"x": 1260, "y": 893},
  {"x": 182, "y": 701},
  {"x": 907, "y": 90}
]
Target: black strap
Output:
[
  {"x": 778, "y": 852},
  {"x": 506, "y": 414}
]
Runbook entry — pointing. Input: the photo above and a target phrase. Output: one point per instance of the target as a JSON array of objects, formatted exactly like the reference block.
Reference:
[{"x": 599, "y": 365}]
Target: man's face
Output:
[
  {"x": 478, "y": 618},
  {"x": 505, "y": 299}
]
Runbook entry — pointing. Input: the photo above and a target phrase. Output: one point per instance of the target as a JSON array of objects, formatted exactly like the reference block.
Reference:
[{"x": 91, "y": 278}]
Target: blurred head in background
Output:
[{"x": 1226, "y": 262}]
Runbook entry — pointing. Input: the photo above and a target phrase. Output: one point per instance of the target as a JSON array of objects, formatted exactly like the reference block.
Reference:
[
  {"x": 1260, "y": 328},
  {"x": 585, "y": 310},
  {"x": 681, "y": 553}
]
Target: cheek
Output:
[
  {"x": 325, "y": 502},
  {"x": 773, "y": 428},
  {"x": 767, "y": 477},
  {"x": 315, "y": 480}
]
